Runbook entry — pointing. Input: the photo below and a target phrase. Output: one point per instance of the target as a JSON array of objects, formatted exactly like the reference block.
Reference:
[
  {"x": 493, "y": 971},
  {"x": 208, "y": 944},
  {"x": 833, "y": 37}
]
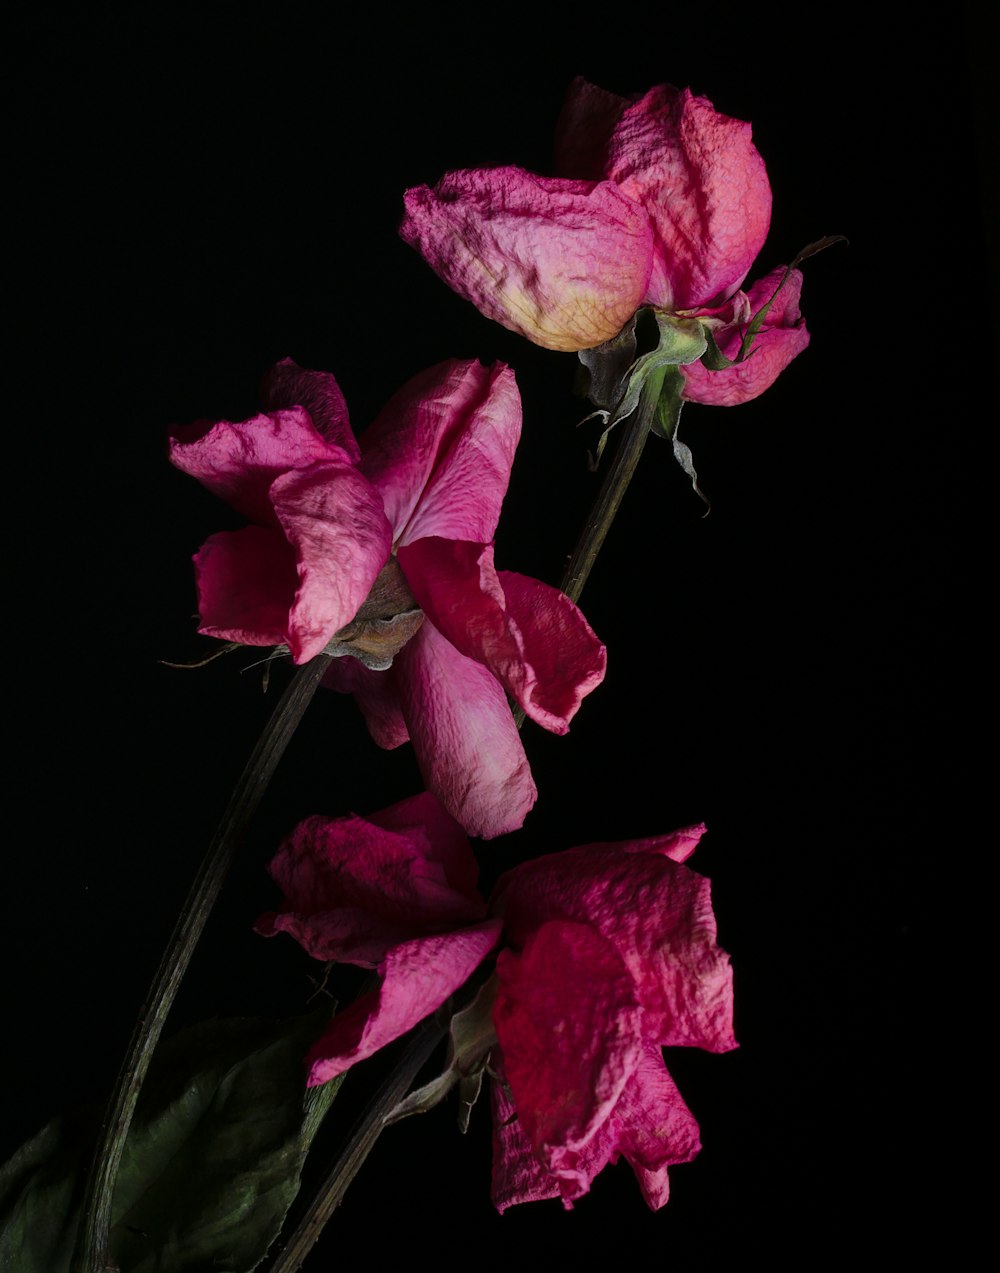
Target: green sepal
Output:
[
  {"x": 666, "y": 420},
  {"x": 210, "y": 1168},
  {"x": 471, "y": 1039}
]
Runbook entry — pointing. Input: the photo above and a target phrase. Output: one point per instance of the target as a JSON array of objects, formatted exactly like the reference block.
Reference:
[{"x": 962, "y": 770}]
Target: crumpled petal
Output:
[
  {"x": 239, "y": 461},
  {"x": 441, "y": 450},
  {"x": 703, "y": 183},
  {"x": 782, "y": 337},
  {"x": 334, "y": 521},
  {"x": 417, "y": 977},
  {"x": 584, "y": 129},
  {"x": 468, "y": 748},
  {"x": 569, "y": 1024},
  {"x": 656, "y": 913},
  {"x": 287, "y": 384},
  {"x": 246, "y": 585},
  {"x": 376, "y": 695},
  {"x": 531, "y": 637},
  {"x": 353, "y": 887},
  {"x": 564, "y": 263}
]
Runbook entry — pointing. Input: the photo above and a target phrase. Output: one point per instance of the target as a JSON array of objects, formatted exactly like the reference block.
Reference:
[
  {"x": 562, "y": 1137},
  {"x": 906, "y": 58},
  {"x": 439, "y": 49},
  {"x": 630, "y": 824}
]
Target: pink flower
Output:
[
  {"x": 608, "y": 952},
  {"x": 382, "y": 553},
  {"x": 661, "y": 201}
]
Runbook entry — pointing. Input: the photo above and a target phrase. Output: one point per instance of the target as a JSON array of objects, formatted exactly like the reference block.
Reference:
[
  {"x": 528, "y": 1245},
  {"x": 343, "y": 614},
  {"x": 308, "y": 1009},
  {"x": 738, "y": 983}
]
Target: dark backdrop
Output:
[{"x": 199, "y": 194}]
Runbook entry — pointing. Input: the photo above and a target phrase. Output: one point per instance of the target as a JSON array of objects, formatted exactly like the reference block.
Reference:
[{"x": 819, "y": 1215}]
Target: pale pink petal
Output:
[
  {"x": 562, "y": 262},
  {"x": 417, "y": 977},
  {"x": 354, "y": 886},
  {"x": 656, "y": 913},
  {"x": 289, "y": 385},
  {"x": 376, "y": 695},
  {"x": 781, "y": 339},
  {"x": 701, "y": 180},
  {"x": 246, "y": 586},
  {"x": 569, "y": 1024},
  {"x": 468, "y": 748},
  {"x": 440, "y": 452},
  {"x": 531, "y": 637},
  {"x": 584, "y": 128},
  {"x": 334, "y": 521},
  {"x": 239, "y": 461}
]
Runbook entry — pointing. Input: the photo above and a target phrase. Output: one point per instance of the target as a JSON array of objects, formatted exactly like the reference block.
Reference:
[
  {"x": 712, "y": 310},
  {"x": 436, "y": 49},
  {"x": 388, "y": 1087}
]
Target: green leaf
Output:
[{"x": 211, "y": 1166}]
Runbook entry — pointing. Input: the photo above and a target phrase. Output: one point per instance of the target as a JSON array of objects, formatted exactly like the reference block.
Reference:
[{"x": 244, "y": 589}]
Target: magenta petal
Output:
[
  {"x": 655, "y": 1127},
  {"x": 289, "y": 385},
  {"x": 417, "y": 978},
  {"x": 518, "y": 1175},
  {"x": 569, "y": 1024},
  {"x": 238, "y": 462},
  {"x": 658, "y": 916},
  {"x": 376, "y": 695},
  {"x": 781, "y": 339},
  {"x": 531, "y": 637},
  {"x": 562, "y": 262},
  {"x": 701, "y": 180},
  {"x": 468, "y": 748},
  {"x": 246, "y": 586},
  {"x": 426, "y": 823},
  {"x": 440, "y": 452},
  {"x": 335, "y": 523}
]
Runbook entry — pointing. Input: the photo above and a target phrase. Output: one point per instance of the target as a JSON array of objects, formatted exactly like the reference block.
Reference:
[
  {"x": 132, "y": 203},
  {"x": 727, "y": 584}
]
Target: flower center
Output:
[{"x": 383, "y": 625}]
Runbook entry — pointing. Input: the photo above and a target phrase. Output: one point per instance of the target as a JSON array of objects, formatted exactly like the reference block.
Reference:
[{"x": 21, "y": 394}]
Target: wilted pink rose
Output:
[
  {"x": 382, "y": 553},
  {"x": 608, "y": 952},
  {"x": 661, "y": 201}
]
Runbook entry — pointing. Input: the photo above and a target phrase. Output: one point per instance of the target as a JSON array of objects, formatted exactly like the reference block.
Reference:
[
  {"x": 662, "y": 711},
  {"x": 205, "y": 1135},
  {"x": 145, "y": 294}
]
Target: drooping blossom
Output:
[
  {"x": 606, "y": 953},
  {"x": 380, "y": 551},
  {"x": 661, "y": 201}
]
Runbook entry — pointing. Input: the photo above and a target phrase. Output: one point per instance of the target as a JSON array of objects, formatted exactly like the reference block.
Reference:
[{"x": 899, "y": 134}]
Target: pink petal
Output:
[
  {"x": 656, "y": 913},
  {"x": 376, "y": 695},
  {"x": 440, "y": 452},
  {"x": 531, "y": 637},
  {"x": 781, "y": 339},
  {"x": 469, "y": 751},
  {"x": 704, "y": 185},
  {"x": 355, "y": 886},
  {"x": 677, "y": 845},
  {"x": 564, "y": 263},
  {"x": 655, "y": 1128},
  {"x": 584, "y": 129},
  {"x": 289, "y": 385},
  {"x": 238, "y": 462},
  {"x": 246, "y": 585},
  {"x": 518, "y": 1175},
  {"x": 418, "y": 976},
  {"x": 569, "y": 1024},
  {"x": 335, "y": 523}
]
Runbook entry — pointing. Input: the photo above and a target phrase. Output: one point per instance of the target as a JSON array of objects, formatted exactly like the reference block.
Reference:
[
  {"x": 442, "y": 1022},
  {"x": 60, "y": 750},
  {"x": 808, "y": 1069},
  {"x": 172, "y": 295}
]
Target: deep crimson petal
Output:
[
  {"x": 355, "y": 887},
  {"x": 700, "y": 178},
  {"x": 376, "y": 695},
  {"x": 335, "y": 523},
  {"x": 246, "y": 586},
  {"x": 569, "y": 1024},
  {"x": 656, "y": 913},
  {"x": 782, "y": 338},
  {"x": 564, "y": 263},
  {"x": 468, "y": 748},
  {"x": 288, "y": 385},
  {"x": 440, "y": 452},
  {"x": 239, "y": 461},
  {"x": 417, "y": 977},
  {"x": 584, "y": 128}
]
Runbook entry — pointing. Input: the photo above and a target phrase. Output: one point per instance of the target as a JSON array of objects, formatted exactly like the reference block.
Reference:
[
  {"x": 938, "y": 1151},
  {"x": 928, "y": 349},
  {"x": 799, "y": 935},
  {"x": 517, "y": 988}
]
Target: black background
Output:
[{"x": 200, "y": 193}]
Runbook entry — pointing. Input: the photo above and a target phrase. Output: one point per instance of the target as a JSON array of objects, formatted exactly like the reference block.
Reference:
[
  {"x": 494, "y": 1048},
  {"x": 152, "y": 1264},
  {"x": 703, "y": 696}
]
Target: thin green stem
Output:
[
  {"x": 367, "y": 1130},
  {"x": 92, "y": 1254}
]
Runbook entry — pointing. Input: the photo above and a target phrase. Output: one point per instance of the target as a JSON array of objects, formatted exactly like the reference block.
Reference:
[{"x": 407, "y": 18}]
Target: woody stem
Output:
[{"x": 91, "y": 1254}]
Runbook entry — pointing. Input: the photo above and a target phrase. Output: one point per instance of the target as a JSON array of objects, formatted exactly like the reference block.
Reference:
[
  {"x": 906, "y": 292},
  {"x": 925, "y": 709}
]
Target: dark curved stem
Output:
[{"x": 91, "y": 1254}]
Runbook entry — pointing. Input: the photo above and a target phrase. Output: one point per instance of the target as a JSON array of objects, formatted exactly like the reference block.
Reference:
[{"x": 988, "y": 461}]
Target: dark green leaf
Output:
[{"x": 211, "y": 1166}]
